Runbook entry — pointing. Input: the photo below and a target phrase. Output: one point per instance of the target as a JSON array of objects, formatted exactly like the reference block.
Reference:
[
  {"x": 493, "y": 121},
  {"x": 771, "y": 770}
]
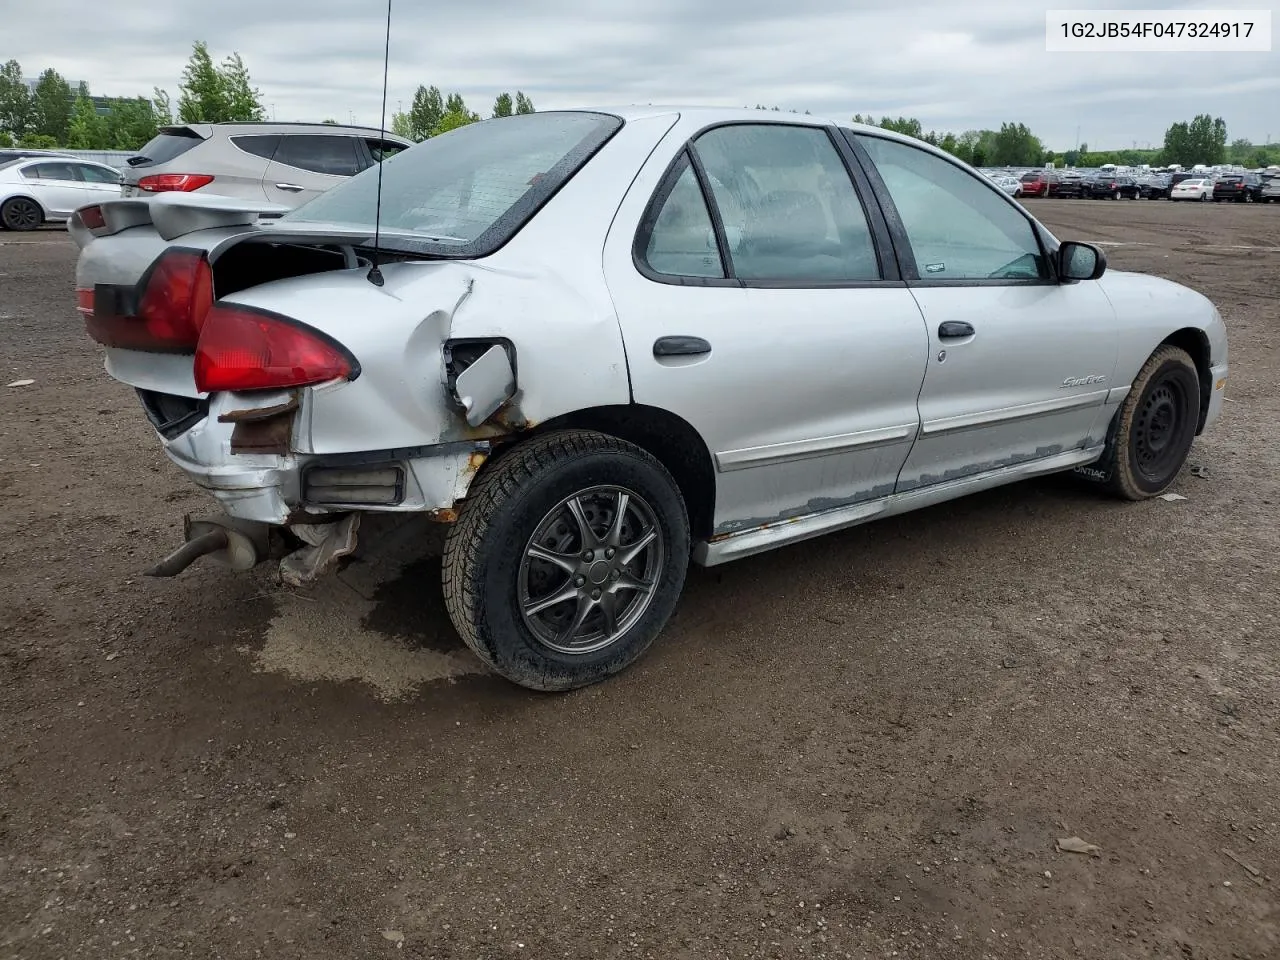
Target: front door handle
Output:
[
  {"x": 680, "y": 347},
  {"x": 955, "y": 329},
  {"x": 293, "y": 187}
]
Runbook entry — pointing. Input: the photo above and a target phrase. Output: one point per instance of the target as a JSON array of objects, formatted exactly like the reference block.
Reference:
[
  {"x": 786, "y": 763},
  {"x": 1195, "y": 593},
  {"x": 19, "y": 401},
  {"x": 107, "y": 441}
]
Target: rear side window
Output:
[
  {"x": 682, "y": 240},
  {"x": 319, "y": 153},
  {"x": 382, "y": 149},
  {"x": 166, "y": 146},
  {"x": 260, "y": 145},
  {"x": 97, "y": 174}
]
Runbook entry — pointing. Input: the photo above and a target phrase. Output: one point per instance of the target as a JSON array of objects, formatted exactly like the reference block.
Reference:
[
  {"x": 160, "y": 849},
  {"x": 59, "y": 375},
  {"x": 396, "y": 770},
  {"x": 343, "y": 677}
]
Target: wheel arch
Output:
[
  {"x": 1196, "y": 343},
  {"x": 668, "y": 437}
]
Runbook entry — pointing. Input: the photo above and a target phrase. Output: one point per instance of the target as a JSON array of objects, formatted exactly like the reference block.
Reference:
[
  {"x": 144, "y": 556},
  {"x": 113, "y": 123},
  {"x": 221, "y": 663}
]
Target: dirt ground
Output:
[{"x": 864, "y": 746}]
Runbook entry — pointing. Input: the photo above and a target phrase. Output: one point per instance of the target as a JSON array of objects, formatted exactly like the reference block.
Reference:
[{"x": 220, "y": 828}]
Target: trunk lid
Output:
[{"x": 121, "y": 245}]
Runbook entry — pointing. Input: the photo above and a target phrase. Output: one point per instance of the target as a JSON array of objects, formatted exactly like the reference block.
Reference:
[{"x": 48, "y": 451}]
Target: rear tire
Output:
[
  {"x": 21, "y": 213},
  {"x": 1152, "y": 432},
  {"x": 542, "y": 522}
]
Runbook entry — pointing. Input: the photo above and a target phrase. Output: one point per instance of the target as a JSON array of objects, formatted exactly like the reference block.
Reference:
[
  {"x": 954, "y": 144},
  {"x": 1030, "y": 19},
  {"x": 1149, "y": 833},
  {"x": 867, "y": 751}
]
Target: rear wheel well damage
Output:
[
  {"x": 669, "y": 438},
  {"x": 1196, "y": 344}
]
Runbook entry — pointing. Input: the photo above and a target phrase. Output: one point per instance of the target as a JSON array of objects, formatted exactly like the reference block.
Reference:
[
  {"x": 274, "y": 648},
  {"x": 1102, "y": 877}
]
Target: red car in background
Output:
[{"x": 1037, "y": 183}]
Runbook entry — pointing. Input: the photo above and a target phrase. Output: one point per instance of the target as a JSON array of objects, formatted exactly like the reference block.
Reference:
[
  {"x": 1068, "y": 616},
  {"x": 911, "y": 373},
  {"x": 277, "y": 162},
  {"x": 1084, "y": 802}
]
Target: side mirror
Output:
[{"x": 1081, "y": 261}]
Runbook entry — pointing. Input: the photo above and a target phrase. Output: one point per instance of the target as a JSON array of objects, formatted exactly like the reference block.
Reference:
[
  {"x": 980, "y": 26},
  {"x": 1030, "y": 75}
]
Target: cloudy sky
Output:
[{"x": 955, "y": 65}]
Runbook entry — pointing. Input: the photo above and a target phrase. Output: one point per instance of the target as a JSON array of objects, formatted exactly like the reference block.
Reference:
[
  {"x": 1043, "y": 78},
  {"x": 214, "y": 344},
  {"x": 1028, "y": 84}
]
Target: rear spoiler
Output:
[{"x": 172, "y": 214}]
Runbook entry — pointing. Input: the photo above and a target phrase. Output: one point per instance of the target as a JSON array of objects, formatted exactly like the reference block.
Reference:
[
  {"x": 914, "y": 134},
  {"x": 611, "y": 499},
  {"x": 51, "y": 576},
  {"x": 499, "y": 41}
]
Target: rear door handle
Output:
[
  {"x": 680, "y": 347},
  {"x": 289, "y": 186},
  {"x": 955, "y": 329}
]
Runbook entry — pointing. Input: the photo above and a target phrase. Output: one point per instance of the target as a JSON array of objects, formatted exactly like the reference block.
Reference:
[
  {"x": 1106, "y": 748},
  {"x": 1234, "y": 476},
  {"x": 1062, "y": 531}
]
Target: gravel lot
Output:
[{"x": 865, "y": 746}]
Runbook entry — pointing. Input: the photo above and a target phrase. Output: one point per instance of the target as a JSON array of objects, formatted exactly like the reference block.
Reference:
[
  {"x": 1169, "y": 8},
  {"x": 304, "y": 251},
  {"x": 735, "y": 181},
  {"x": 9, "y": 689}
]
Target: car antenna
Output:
[{"x": 375, "y": 273}]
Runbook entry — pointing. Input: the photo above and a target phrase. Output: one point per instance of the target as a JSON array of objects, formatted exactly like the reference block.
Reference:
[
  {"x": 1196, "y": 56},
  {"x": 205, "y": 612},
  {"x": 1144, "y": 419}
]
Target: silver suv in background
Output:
[{"x": 285, "y": 163}]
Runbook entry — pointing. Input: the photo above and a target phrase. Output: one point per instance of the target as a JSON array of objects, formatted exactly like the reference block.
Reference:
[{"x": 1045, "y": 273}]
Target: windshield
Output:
[{"x": 466, "y": 192}]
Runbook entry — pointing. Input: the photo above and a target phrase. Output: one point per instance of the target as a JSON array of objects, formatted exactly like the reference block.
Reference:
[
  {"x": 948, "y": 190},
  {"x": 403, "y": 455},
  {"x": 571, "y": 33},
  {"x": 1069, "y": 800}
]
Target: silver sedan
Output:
[{"x": 601, "y": 345}]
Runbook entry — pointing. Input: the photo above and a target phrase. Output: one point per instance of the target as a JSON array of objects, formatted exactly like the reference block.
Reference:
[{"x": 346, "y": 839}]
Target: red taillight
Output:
[
  {"x": 92, "y": 217},
  {"x": 172, "y": 300},
  {"x": 242, "y": 348},
  {"x": 184, "y": 182}
]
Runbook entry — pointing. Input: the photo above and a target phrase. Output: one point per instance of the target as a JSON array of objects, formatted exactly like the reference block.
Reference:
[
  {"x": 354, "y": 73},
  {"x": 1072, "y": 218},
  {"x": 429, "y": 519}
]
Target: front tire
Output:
[
  {"x": 21, "y": 213},
  {"x": 1154, "y": 428},
  {"x": 567, "y": 559}
]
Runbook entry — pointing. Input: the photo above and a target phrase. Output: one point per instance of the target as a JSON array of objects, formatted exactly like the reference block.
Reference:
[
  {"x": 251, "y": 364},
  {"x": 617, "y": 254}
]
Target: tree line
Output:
[
  {"x": 1200, "y": 140},
  {"x": 53, "y": 115},
  {"x": 431, "y": 113}
]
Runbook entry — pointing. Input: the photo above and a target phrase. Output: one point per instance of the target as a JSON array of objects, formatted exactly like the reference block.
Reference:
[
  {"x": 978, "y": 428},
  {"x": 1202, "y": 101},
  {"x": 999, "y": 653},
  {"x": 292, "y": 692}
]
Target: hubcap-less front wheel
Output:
[
  {"x": 590, "y": 569},
  {"x": 22, "y": 214},
  {"x": 1158, "y": 433}
]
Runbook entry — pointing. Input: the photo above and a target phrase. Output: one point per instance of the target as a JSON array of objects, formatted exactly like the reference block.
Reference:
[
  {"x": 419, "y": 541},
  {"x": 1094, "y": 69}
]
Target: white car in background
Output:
[
  {"x": 1196, "y": 189},
  {"x": 1009, "y": 184},
  {"x": 44, "y": 189}
]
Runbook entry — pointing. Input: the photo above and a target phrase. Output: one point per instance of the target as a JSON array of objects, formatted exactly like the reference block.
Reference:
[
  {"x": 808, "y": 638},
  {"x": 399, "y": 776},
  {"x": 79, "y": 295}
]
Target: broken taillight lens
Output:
[
  {"x": 167, "y": 182},
  {"x": 244, "y": 348},
  {"x": 171, "y": 299}
]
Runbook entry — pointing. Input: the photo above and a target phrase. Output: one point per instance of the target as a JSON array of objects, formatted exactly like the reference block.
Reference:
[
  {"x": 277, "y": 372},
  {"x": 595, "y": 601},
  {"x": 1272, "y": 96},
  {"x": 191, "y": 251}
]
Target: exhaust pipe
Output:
[{"x": 239, "y": 545}]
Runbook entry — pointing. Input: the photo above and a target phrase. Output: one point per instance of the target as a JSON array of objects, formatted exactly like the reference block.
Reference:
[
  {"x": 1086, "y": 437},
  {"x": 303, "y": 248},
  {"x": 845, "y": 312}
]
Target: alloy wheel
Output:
[
  {"x": 22, "y": 214},
  {"x": 591, "y": 569}
]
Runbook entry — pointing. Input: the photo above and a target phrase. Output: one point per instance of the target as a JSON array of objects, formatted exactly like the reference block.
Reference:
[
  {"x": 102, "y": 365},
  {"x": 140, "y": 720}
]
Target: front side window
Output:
[
  {"x": 789, "y": 208},
  {"x": 330, "y": 155},
  {"x": 465, "y": 192},
  {"x": 682, "y": 240},
  {"x": 959, "y": 227}
]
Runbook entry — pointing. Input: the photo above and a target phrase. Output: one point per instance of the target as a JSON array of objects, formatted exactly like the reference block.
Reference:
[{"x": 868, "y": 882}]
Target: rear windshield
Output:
[
  {"x": 466, "y": 192},
  {"x": 164, "y": 147},
  {"x": 1030, "y": 177}
]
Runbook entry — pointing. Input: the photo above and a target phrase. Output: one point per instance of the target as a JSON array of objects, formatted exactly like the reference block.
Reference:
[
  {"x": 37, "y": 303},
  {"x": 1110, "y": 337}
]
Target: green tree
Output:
[
  {"x": 1241, "y": 151},
  {"x": 908, "y": 126},
  {"x": 39, "y": 141},
  {"x": 130, "y": 124},
  {"x": 948, "y": 143},
  {"x": 426, "y": 112},
  {"x": 87, "y": 130},
  {"x": 523, "y": 103},
  {"x": 15, "y": 100},
  {"x": 1203, "y": 140},
  {"x": 161, "y": 107},
  {"x": 456, "y": 115},
  {"x": 202, "y": 95},
  {"x": 6, "y": 139},
  {"x": 401, "y": 126},
  {"x": 51, "y": 106},
  {"x": 502, "y": 107},
  {"x": 1015, "y": 145},
  {"x": 244, "y": 100}
]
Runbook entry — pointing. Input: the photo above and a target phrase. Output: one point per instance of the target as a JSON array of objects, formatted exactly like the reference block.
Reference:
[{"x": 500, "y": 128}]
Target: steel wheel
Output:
[
  {"x": 591, "y": 569},
  {"x": 21, "y": 213},
  {"x": 1159, "y": 430}
]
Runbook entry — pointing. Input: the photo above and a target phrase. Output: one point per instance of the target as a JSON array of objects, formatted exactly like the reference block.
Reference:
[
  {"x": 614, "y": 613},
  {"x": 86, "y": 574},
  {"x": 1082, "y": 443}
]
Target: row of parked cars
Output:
[
  {"x": 1109, "y": 185},
  {"x": 283, "y": 163}
]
